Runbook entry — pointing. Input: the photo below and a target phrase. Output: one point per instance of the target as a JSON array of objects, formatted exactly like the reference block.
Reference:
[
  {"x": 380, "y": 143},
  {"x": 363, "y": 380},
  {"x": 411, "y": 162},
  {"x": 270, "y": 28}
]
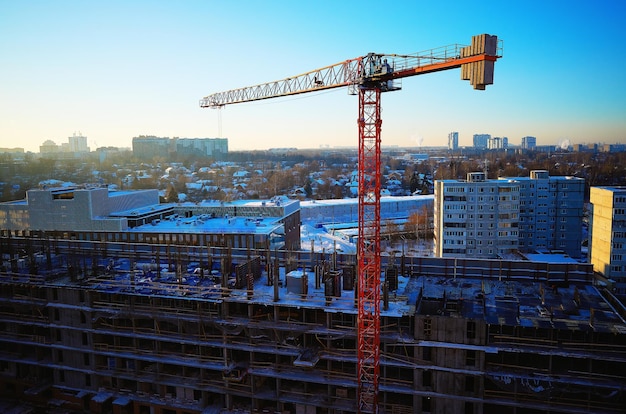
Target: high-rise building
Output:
[
  {"x": 481, "y": 141},
  {"x": 208, "y": 147},
  {"x": 490, "y": 218},
  {"x": 476, "y": 217},
  {"x": 78, "y": 143},
  {"x": 148, "y": 147},
  {"x": 453, "y": 141},
  {"x": 550, "y": 213},
  {"x": 529, "y": 143},
  {"x": 607, "y": 247}
]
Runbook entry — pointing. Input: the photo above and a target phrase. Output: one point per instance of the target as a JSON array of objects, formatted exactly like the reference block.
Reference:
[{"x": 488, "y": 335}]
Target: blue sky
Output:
[{"x": 118, "y": 69}]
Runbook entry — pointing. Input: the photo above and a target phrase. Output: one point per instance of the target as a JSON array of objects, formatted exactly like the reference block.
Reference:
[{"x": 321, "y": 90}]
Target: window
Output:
[
  {"x": 470, "y": 358},
  {"x": 469, "y": 383},
  {"x": 471, "y": 329},
  {"x": 427, "y": 327},
  {"x": 427, "y": 354},
  {"x": 426, "y": 404},
  {"x": 426, "y": 378}
]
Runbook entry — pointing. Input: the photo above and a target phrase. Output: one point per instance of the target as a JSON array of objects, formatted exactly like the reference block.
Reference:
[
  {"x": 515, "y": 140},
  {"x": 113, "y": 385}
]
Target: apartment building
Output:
[
  {"x": 607, "y": 247},
  {"x": 550, "y": 213},
  {"x": 104, "y": 327},
  {"x": 492, "y": 218},
  {"x": 476, "y": 217},
  {"x": 453, "y": 141}
]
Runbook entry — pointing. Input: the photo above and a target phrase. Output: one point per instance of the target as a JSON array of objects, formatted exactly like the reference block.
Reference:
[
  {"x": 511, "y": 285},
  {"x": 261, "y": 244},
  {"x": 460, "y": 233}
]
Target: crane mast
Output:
[{"x": 369, "y": 76}]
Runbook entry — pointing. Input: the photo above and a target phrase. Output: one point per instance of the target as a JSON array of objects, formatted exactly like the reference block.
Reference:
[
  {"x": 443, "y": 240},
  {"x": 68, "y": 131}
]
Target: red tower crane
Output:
[{"x": 369, "y": 76}]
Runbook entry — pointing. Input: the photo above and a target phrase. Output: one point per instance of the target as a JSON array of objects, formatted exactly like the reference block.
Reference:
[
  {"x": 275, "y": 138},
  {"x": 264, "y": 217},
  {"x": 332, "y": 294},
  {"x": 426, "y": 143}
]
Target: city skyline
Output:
[{"x": 118, "y": 70}]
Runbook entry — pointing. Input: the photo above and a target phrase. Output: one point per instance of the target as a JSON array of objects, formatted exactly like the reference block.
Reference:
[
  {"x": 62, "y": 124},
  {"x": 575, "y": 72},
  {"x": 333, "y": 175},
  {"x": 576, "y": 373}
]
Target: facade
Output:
[
  {"x": 481, "y": 141},
  {"x": 453, "y": 141},
  {"x": 497, "y": 143},
  {"x": 95, "y": 213},
  {"x": 476, "y": 217},
  {"x": 48, "y": 148},
  {"x": 208, "y": 147},
  {"x": 607, "y": 247},
  {"x": 78, "y": 144},
  {"x": 136, "y": 328},
  {"x": 73, "y": 208},
  {"x": 149, "y": 147},
  {"x": 529, "y": 143},
  {"x": 550, "y": 213},
  {"x": 491, "y": 218},
  {"x": 75, "y": 147}
]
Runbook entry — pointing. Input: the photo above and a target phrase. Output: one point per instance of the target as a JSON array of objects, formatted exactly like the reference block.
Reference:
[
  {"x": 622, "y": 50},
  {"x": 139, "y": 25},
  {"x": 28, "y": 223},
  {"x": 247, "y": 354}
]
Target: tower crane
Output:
[{"x": 368, "y": 76}]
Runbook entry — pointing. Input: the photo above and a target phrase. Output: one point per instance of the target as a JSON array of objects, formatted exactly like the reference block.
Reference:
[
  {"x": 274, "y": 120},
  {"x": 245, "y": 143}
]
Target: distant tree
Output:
[
  {"x": 171, "y": 195},
  {"x": 414, "y": 183},
  {"x": 337, "y": 191},
  {"x": 308, "y": 190}
]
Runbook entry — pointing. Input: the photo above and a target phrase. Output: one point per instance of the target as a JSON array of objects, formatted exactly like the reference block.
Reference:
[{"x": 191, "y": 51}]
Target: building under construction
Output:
[{"x": 163, "y": 328}]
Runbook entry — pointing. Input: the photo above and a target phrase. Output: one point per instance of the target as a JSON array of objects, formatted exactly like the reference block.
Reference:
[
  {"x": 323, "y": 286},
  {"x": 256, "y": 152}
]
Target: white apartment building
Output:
[
  {"x": 607, "y": 247},
  {"x": 453, "y": 141},
  {"x": 478, "y": 217}
]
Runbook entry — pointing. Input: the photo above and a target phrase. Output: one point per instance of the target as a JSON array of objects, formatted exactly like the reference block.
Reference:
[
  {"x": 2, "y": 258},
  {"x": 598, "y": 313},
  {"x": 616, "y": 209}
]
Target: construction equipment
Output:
[{"x": 369, "y": 76}]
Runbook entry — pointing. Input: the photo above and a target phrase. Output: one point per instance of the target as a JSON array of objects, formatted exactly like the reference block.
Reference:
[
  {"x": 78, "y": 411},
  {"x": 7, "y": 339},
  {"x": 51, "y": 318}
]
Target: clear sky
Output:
[{"x": 113, "y": 70}]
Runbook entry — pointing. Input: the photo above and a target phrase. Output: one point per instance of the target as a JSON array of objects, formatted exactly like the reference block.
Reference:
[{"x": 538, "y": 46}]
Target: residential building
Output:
[
  {"x": 496, "y": 143},
  {"x": 149, "y": 147},
  {"x": 607, "y": 242},
  {"x": 177, "y": 327},
  {"x": 550, "y": 213},
  {"x": 453, "y": 141},
  {"x": 476, "y": 217},
  {"x": 208, "y": 147},
  {"x": 481, "y": 141},
  {"x": 529, "y": 143},
  {"x": 491, "y": 218},
  {"x": 78, "y": 144}
]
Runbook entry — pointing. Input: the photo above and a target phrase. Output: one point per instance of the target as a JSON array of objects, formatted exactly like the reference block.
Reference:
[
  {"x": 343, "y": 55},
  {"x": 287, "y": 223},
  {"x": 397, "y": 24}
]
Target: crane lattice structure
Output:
[{"x": 369, "y": 76}]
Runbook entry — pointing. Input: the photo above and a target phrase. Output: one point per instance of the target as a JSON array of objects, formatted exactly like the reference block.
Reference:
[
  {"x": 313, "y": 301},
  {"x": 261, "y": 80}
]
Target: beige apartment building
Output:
[{"x": 607, "y": 247}]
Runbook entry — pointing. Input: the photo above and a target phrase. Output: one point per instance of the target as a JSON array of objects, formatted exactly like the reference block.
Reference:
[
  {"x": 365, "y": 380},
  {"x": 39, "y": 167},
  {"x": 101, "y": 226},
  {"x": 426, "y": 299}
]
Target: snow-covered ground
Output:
[{"x": 323, "y": 241}]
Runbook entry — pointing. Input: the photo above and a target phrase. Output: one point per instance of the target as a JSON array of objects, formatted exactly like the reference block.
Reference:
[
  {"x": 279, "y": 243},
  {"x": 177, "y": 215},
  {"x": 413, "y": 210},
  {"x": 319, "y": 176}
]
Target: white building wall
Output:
[{"x": 476, "y": 217}]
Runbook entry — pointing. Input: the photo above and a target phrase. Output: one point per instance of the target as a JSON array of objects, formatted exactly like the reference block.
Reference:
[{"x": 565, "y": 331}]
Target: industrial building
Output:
[{"x": 99, "y": 214}]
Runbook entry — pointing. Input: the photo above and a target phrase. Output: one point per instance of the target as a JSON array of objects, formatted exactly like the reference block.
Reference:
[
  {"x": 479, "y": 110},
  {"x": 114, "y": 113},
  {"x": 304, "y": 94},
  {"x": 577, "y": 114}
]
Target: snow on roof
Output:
[{"x": 206, "y": 224}]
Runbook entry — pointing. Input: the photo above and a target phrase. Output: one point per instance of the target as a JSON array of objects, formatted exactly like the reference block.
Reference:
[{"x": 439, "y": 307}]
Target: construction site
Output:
[
  {"x": 151, "y": 328},
  {"x": 107, "y": 309}
]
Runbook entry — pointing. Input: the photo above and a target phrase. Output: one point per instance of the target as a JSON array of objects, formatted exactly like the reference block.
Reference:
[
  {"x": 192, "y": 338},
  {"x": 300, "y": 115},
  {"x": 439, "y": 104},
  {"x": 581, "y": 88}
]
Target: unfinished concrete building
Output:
[{"x": 170, "y": 328}]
